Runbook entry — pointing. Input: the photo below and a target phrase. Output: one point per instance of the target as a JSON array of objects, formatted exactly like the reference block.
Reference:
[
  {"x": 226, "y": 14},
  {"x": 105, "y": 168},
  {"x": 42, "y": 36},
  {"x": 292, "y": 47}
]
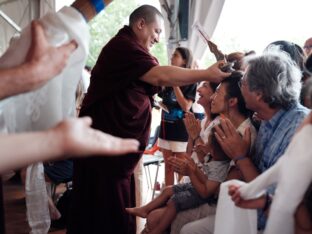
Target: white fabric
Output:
[
  {"x": 293, "y": 175},
  {"x": 231, "y": 219},
  {"x": 53, "y": 102},
  {"x": 206, "y": 12},
  {"x": 201, "y": 226},
  {"x": 174, "y": 146},
  {"x": 188, "y": 217},
  {"x": 38, "y": 215},
  {"x": 43, "y": 108}
]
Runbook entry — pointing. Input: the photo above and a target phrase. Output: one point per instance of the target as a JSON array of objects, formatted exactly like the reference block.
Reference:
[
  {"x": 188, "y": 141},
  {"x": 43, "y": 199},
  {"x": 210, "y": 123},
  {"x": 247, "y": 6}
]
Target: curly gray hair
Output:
[{"x": 276, "y": 76}]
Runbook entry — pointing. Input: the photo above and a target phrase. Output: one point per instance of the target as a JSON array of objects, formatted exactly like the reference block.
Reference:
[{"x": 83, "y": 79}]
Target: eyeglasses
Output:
[{"x": 307, "y": 47}]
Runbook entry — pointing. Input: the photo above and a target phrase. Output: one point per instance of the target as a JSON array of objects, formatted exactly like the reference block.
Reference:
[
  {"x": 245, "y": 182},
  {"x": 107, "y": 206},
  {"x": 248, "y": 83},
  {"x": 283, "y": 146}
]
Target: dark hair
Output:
[
  {"x": 308, "y": 64},
  {"x": 235, "y": 58},
  {"x": 213, "y": 86},
  {"x": 233, "y": 91},
  {"x": 295, "y": 51},
  {"x": 186, "y": 55},
  {"x": 146, "y": 12}
]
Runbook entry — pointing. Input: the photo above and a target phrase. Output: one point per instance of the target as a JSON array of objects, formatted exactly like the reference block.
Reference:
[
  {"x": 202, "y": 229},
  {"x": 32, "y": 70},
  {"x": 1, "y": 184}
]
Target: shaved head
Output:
[{"x": 146, "y": 12}]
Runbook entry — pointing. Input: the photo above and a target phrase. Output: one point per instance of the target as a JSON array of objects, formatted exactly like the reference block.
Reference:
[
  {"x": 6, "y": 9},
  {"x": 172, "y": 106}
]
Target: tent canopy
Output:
[{"x": 16, "y": 14}]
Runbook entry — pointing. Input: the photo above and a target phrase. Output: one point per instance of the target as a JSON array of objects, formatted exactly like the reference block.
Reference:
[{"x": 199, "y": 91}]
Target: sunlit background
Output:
[{"x": 243, "y": 25}]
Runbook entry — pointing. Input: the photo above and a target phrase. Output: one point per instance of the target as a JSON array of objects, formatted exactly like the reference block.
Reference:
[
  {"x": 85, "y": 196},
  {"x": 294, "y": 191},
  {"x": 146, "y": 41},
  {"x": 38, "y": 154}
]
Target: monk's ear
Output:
[{"x": 141, "y": 23}]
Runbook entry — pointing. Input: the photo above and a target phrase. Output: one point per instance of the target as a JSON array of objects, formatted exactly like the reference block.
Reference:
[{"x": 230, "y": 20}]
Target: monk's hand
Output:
[
  {"x": 77, "y": 138},
  {"x": 215, "y": 74}
]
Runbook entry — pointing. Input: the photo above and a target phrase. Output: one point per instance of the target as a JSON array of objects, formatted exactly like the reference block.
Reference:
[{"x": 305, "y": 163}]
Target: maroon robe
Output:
[
  {"x": 2, "y": 224},
  {"x": 119, "y": 104}
]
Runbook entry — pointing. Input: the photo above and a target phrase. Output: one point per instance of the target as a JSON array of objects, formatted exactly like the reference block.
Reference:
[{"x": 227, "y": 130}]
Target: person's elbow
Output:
[{"x": 155, "y": 76}]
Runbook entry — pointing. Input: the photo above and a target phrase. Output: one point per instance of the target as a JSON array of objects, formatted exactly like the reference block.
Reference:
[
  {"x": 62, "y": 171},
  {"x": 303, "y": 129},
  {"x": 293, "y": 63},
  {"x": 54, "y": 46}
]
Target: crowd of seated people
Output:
[{"x": 273, "y": 87}]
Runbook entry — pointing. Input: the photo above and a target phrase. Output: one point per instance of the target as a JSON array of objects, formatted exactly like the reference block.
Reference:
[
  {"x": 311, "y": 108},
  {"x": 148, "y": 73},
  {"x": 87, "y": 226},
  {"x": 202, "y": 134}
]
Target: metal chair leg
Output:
[{"x": 156, "y": 176}]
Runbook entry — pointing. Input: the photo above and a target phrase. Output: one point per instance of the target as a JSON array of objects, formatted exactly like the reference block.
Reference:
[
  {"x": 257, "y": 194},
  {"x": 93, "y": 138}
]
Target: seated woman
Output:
[
  {"x": 199, "y": 131},
  {"x": 176, "y": 198},
  {"x": 228, "y": 102}
]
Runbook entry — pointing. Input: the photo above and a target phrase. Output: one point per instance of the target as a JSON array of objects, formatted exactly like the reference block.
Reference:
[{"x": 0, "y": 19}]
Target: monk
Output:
[{"x": 123, "y": 82}]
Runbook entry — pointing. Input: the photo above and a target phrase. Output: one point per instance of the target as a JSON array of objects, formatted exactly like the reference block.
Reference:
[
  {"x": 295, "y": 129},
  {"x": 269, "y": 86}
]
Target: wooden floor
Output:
[{"x": 15, "y": 207}]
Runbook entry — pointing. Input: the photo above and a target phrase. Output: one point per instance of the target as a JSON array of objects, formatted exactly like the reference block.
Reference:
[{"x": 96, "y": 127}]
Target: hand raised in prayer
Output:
[
  {"x": 246, "y": 204},
  {"x": 184, "y": 165},
  {"x": 231, "y": 141},
  {"x": 44, "y": 60},
  {"x": 201, "y": 150},
  {"x": 192, "y": 125},
  {"x": 77, "y": 138},
  {"x": 215, "y": 74}
]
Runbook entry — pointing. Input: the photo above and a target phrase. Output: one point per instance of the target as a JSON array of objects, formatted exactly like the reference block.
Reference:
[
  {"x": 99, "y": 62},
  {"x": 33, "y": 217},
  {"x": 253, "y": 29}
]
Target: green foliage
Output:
[
  {"x": 105, "y": 25},
  {"x": 159, "y": 50}
]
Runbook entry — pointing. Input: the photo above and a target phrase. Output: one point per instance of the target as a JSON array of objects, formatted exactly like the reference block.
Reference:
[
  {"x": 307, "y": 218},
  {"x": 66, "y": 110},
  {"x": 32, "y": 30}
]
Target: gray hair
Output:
[{"x": 276, "y": 76}]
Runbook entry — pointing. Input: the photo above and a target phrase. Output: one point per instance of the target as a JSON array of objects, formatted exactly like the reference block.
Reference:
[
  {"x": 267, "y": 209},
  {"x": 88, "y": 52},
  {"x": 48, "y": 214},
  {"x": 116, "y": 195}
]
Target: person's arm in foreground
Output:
[
  {"x": 72, "y": 138},
  {"x": 87, "y": 9},
  {"x": 302, "y": 217},
  {"x": 42, "y": 63}
]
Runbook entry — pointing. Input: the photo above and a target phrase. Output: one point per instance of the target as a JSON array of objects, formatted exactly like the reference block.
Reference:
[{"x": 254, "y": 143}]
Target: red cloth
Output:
[{"x": 119, "y": 104}]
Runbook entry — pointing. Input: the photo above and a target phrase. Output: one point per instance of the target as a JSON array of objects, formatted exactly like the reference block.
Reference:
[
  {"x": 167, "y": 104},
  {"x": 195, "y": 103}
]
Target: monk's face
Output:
[{"x": 149, "y": 33}]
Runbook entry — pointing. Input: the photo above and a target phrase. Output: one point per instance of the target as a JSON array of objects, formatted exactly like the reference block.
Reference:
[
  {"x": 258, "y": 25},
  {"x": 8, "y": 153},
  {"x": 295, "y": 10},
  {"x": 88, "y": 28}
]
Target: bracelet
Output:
[
  {"x": 239, "y": 158},
  {"x": 268, "y": 201},
  {"x": 98, "y": 5}
]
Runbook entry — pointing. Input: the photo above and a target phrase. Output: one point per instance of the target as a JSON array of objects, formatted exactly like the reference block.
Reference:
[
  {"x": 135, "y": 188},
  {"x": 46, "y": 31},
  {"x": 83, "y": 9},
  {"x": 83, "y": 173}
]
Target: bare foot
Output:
[{"x": 137, "y": 211}]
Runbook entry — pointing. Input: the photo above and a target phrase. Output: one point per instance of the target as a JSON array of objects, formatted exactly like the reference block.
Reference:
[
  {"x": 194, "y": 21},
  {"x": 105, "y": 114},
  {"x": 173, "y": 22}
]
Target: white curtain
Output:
[
  {"x": 21, "y": 12},
  {"x": 206, "y": 12}
]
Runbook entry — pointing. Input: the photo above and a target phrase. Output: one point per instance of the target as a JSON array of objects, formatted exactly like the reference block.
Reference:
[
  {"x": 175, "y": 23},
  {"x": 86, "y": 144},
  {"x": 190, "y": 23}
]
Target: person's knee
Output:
[
  {"x": 152, "y": 219},
  {"x": 168, "y": 191}
]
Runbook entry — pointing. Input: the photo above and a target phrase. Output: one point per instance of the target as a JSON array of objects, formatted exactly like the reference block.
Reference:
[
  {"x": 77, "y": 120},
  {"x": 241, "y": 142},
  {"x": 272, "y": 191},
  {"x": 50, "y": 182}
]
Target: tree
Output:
[{"x": 106, "y": 24}]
